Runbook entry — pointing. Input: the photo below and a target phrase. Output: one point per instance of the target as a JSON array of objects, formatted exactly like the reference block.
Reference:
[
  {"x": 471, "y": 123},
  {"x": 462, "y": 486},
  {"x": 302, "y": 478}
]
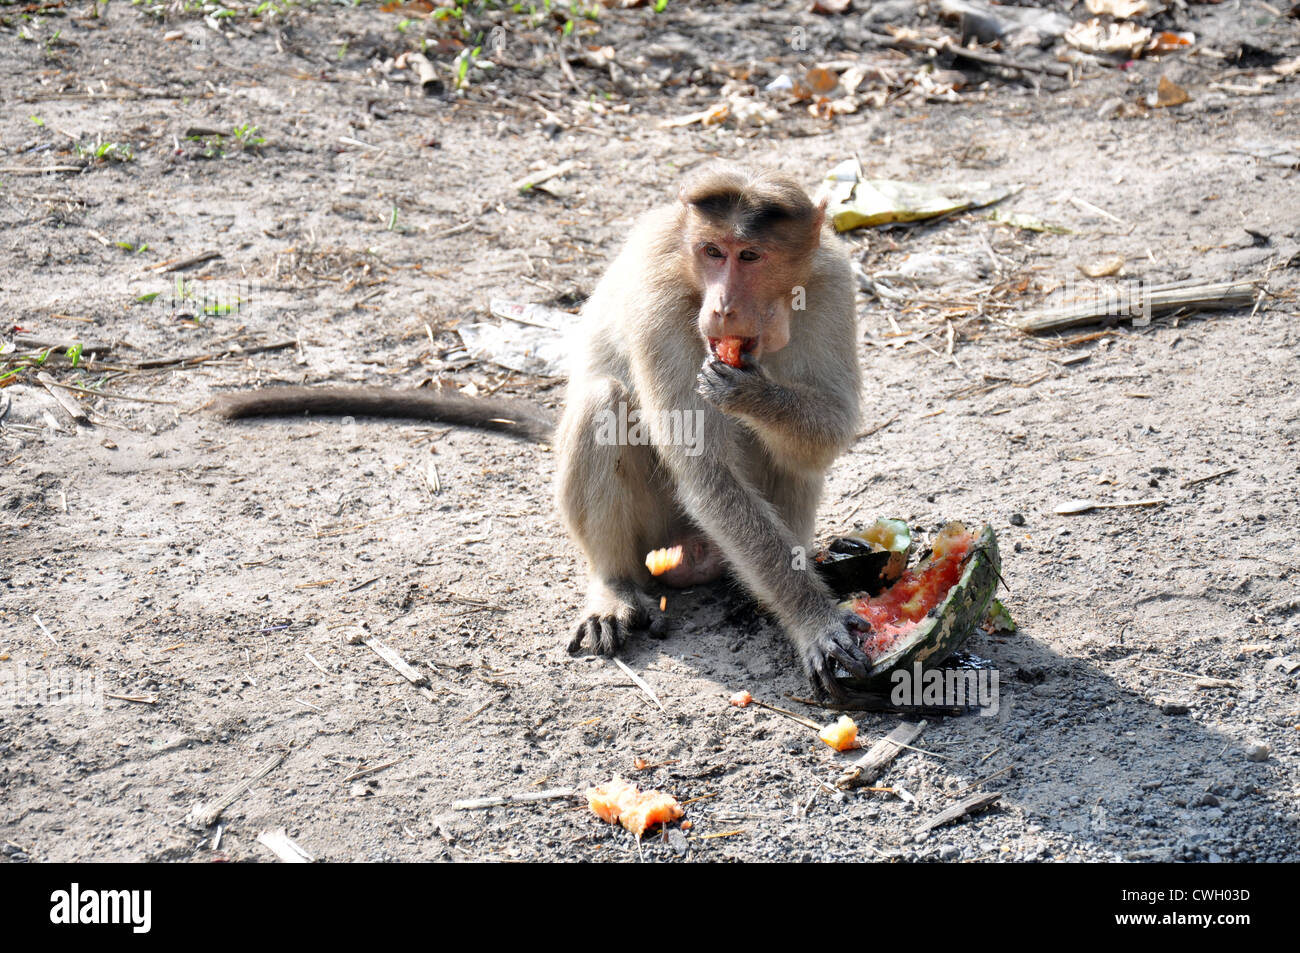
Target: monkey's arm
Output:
[
  {"x": 757, "y": 545},
  {"x": 804, "y": 426},
  {"x": 761, "y": 551}
]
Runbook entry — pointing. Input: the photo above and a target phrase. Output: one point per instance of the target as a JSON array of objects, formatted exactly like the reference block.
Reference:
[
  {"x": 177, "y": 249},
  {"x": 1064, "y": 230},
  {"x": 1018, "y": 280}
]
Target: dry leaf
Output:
[
  {"x": 712, "y": 116},
  {"x": 1103, "y": 267},
  {"x": 821, "y": 80},
  {"x": 1096, "y": 37},
  {"x": 1168, "y": 93},
  {"x": 853, "y": 77},
  {"x": 1119, "y": 9}
]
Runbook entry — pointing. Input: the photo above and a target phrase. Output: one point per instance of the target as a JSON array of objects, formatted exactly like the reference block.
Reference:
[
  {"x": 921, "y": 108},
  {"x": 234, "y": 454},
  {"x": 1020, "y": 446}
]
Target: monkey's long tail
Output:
[{"x": 504, "y": 416}]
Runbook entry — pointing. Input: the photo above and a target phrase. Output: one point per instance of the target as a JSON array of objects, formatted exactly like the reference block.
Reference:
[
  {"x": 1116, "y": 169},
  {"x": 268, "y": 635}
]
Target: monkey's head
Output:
[{"x": 748, "y": 241}]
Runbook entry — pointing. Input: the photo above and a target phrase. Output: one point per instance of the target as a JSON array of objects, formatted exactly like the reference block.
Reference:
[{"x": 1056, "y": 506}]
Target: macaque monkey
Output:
[{"x": 664, "y": 444}]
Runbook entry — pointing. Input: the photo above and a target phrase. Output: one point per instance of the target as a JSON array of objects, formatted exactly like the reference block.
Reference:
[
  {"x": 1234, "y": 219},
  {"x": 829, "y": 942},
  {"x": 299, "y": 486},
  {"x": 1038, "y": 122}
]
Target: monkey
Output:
[{"x": 738, "y": 254}]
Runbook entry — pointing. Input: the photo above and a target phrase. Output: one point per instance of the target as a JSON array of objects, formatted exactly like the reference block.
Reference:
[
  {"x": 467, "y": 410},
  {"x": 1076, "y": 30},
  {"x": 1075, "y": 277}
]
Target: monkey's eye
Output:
[
  {"x": 713, "y": 251},
  {"x": 749, "y": 255}
]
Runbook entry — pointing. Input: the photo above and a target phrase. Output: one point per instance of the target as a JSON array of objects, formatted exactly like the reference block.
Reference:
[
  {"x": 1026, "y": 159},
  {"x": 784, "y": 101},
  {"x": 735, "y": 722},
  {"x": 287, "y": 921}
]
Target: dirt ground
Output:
[{"x": 203, "y": 577}]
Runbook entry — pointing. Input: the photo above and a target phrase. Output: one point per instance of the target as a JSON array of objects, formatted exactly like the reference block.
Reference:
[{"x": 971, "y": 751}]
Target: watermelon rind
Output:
[
  {"x": 856, "y": 563},
  {"x": 948, "y": 625}
]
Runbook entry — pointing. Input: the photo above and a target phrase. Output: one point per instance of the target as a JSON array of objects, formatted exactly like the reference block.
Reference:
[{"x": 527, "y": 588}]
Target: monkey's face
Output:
[
  {"x": 748, "y": 244},
  {"x": 746, "y": 292}
]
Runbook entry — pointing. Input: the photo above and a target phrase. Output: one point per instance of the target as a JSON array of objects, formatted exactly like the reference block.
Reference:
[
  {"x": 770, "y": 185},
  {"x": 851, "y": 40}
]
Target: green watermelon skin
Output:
[{"x": 947, "y": 626}]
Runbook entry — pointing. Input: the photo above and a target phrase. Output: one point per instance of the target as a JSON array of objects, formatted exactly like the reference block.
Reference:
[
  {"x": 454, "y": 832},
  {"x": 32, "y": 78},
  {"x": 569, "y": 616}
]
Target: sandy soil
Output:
[{"x": 213, "y": 572}]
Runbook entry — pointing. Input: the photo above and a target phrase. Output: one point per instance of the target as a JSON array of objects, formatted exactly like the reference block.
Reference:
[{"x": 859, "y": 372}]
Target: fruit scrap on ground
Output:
[
  {"x": 998, "y": 619},
  {"x": 662, "y": 560},
  {"x": 619, "y": 802},
  {"x": 900, "y": 608},
  {"x": 728, "y": 350},
  {"x": 741, "y": 699},
  {"x": 841, "y": 735}
]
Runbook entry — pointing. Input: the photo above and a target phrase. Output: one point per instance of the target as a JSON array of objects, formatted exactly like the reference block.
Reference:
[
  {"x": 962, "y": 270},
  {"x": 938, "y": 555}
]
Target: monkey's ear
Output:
[{"x": 820, "y": 201}]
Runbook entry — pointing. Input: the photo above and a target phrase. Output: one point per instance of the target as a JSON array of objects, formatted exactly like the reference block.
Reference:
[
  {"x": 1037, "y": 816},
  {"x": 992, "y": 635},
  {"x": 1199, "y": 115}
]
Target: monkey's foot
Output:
[
  {"x": 701, "y": 562},
  {"x": 613, "y": 613},
  {"x": 834, "y": 643}
]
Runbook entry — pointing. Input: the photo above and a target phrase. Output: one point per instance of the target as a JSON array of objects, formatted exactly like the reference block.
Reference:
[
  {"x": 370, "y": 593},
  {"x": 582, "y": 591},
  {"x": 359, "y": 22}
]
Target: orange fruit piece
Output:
[
  {"x": 609, "y": 800},
  {"x": 741, "y": 699},
  {"x": 619, "y": 802},
  {"x": 651, "y": 808},
  {"x": 662, "y": 560},
  {"x": 841, "y": 735}
]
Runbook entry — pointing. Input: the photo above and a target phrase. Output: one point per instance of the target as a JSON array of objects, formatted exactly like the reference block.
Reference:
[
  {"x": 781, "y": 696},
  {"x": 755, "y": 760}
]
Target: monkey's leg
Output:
[{"x": 614, "y": 497}]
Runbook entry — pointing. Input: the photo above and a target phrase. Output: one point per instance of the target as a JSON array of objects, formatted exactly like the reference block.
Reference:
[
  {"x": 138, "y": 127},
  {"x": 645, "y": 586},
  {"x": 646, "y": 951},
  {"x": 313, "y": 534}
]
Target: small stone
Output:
[
  {"x": 677, "y": 841},
  {"x": 1170, "y": 707},
  {"x": 359, "y": 790},
  {"x": 1016, "y": 519},
  {"x": 949, "y": 852},
  {"x": 1257, "y": 751},
  {"x": 1206, "y": 800}
]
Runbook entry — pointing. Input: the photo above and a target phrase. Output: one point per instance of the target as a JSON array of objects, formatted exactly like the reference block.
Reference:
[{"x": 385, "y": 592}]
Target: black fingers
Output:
[
  {"x": 605, "y": 633},
  {"x": 718, "y": 382},
  {"x": 824, "y": 678},
  {"x": 848, "y": 647},
  {"x": 837, "y": 648}
]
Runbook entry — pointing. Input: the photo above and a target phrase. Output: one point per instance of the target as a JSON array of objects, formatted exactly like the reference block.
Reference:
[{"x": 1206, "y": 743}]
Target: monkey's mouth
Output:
[{"x": 729, "y": 349}]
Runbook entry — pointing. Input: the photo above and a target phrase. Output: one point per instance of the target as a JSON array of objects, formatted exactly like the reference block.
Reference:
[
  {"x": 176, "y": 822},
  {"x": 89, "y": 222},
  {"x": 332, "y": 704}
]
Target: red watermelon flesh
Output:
[{"x": 900, "y": 608}]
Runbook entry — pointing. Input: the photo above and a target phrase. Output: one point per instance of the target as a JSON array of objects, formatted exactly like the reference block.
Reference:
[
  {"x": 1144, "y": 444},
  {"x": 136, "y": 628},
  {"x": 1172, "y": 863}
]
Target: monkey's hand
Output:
[
  {"x": 804, "y": 426},
  {"x": 835, "y": 642},
  {"x": 734, "y": 390}
]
